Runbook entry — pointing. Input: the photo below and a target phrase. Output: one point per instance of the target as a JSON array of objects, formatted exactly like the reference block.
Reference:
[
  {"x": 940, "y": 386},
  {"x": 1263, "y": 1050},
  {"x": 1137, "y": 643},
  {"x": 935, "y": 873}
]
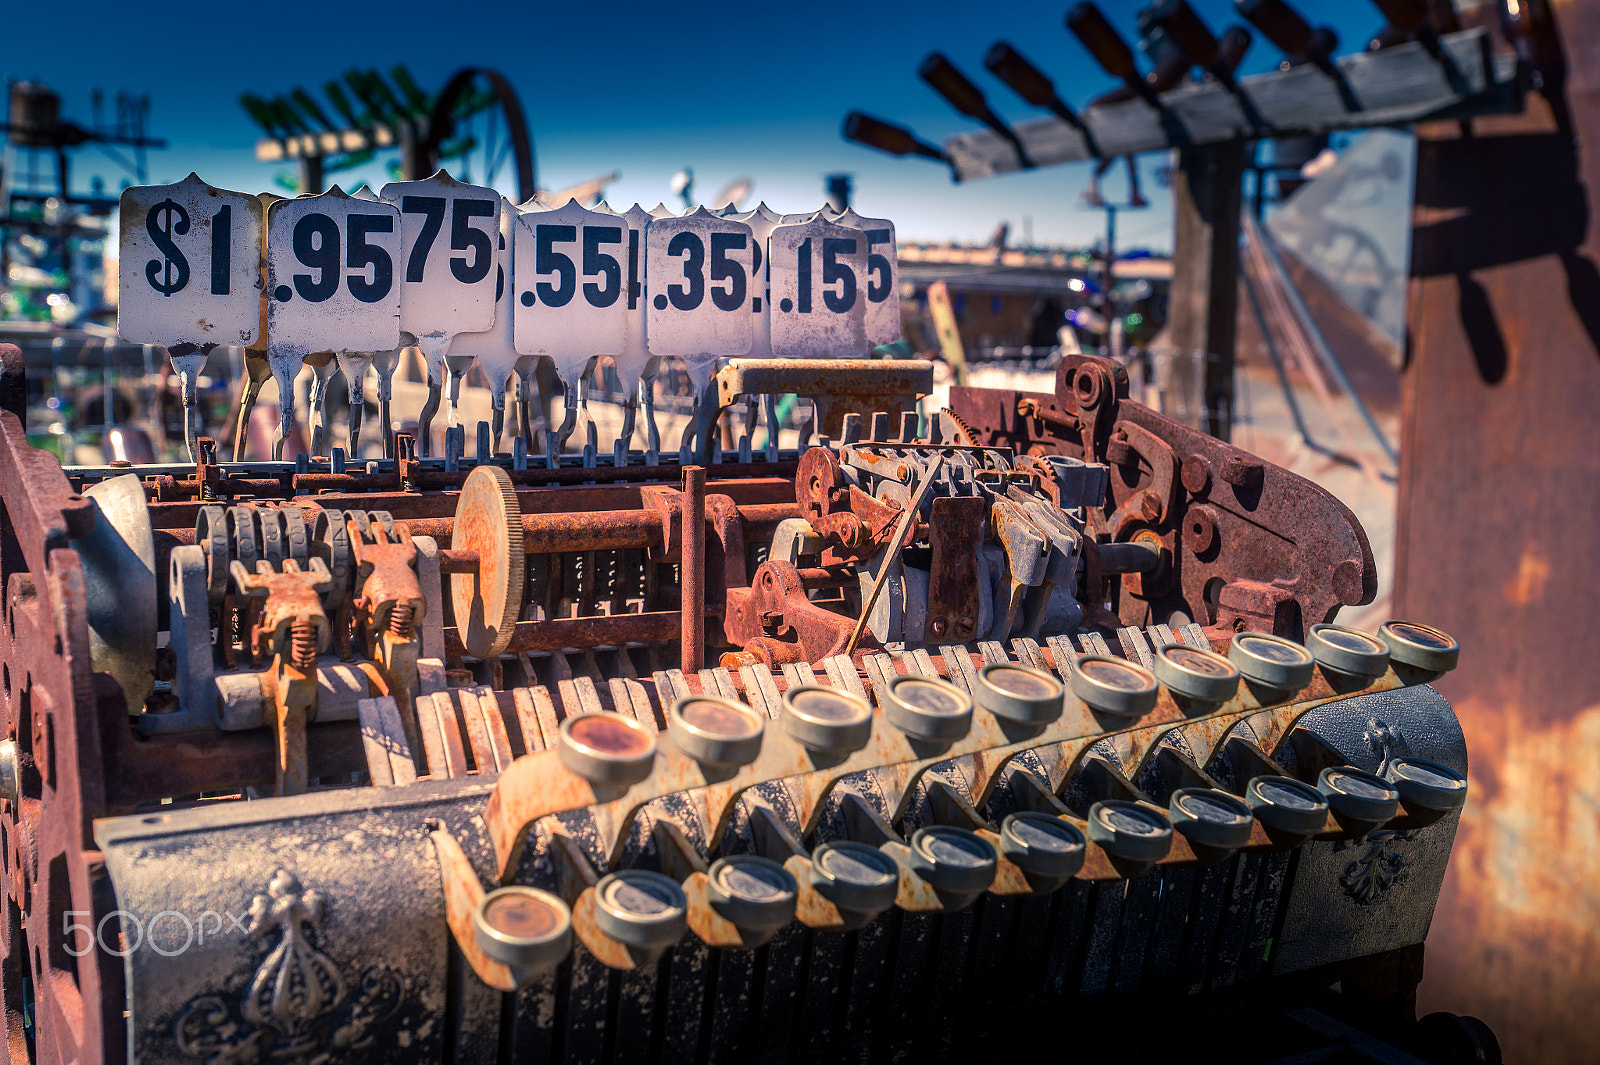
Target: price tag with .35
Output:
[
  {"x": 190, "y": 265},
  {"x": 698, "y": 277},
  {"x": 331, "y": 274},
  {"x": 575, "y": 282},
  {"x": 819, "y": 298}
]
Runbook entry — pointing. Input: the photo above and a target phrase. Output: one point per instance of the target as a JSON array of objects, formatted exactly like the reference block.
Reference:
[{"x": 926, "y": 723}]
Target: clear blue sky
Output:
[{"x": 752, "y": 89}]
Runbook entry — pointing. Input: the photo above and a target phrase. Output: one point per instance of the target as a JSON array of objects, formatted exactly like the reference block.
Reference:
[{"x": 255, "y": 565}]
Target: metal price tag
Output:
[
  {"x": 333, "y": 263},
  {"x": 761, "y": 221},
  {"x": 697, "y": 272},
  {"x": 190, "y": 266},
  {"x": 634, "y": 356},
  {"x": 819, "y": 297},
  {"x": 572, "y": 285},
  {"x": 883, "y": 277},
  {"x": 494, "y": 348}
]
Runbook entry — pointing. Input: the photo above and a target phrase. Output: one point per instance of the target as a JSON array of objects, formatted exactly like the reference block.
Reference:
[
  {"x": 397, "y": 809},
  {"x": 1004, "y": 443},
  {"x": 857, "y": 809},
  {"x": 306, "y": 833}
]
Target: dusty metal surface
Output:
[{"x": 1499, "y": 495}]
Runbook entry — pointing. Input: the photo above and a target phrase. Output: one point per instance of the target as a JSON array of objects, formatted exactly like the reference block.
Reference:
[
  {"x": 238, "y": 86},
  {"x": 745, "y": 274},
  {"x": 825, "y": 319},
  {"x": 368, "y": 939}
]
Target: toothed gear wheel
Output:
[
  {"x": 488, "y": 521},
  {"x": 966, "y": 437}
]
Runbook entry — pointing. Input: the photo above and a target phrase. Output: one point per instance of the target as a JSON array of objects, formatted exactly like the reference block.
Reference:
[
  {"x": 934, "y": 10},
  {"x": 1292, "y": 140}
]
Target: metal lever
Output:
[{"x": 354, "y": 366}]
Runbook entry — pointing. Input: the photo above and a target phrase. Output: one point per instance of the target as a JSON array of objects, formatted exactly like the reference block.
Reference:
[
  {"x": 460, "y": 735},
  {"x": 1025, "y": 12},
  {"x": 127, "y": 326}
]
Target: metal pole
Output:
[{"x": 693, "y": 569}]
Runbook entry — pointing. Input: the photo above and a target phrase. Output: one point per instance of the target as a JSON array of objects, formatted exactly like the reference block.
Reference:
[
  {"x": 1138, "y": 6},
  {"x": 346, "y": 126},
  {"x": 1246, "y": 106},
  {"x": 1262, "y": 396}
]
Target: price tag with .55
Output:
[
  {"x": 190, "y": 265},
  {"x": 819, "y": 298},
  {"x": 883, "y": 276},
  {"x": 574, "y": 283},
  {"x": 698, "y": 280},
  {"x": 331, "y": 274},
  {"x": 448, "y": 233}
]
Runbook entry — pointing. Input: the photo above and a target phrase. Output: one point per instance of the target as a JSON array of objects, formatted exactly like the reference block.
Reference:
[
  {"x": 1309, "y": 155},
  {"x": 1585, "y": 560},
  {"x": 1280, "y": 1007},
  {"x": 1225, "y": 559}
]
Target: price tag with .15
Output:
[
  {"x": 818, "y": 290},
  {"x": 698, "y": 279},
  {"x": 575, "y": 282},
  {"x": 190, "y": 265},
  {"x": 883, "y": 276}
]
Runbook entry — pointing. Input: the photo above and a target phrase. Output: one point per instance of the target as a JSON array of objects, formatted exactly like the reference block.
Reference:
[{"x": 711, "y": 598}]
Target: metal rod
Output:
[
  {"x": 693, "y": 604},
  {"x": 900, "y": 529}
]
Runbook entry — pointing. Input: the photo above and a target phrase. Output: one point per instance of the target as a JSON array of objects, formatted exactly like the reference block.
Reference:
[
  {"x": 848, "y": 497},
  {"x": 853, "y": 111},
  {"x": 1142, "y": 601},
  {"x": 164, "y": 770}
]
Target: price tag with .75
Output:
[
  {"x": 190, "y": 266},
  {"x": 698, "y": 275},
  {"x": 575, "y": 282},
  {"x": 446, "y": 270},
  {"x": 333, "y": 264},
  {"x": 819, "y": 290}
]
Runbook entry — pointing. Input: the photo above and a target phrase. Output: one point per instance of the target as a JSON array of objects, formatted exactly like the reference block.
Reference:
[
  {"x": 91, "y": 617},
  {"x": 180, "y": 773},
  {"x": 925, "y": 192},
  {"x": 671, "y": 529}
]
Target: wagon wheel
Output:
[{"x": 479, "y": 131}]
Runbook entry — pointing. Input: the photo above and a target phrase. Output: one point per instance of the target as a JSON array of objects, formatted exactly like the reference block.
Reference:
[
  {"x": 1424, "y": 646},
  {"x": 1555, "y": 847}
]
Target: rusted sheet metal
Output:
[
  {"x": 1499, "y": 507},
  {"x": 838, "y": 386}
]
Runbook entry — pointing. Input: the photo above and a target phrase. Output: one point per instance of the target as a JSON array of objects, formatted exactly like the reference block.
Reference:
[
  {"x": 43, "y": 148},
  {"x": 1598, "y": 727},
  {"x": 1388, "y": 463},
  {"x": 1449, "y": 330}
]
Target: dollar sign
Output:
[{"x": 166, "y": 218}]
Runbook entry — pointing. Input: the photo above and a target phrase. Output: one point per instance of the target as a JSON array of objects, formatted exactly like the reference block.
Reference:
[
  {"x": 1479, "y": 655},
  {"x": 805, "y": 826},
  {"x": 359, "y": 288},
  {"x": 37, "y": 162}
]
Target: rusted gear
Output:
[
  {"x": 964, "y": 436},
  {"x": 488, "y": 601},
  {"x": 818, "y": 480}
]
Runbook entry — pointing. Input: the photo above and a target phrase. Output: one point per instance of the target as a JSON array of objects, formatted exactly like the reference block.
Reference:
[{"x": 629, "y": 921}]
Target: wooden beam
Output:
[
  {"x": 1393, "y": 86},
  {"x": 1204, "y": 302}
]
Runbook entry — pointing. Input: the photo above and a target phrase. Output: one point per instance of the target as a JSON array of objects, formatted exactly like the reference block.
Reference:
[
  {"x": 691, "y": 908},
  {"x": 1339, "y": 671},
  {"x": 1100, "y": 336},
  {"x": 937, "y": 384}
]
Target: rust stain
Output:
[
  {"x": 1533, "y": 573},
  {"x": 1525, "y": 872}
]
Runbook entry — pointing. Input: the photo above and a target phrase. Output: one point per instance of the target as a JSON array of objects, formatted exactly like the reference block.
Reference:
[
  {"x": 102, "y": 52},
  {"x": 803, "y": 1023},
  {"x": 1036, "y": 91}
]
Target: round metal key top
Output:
[
  {"x": 1361, "y": 801},
  {"x": 488, "y": 600},
  {"x": 1427, "y": 785},
  {"x": 607, "y": 748},
  {"x": 826, "y": 720},
  {"x": 1196, "y": 674},
  {"x": 952, "y": 859},
  {"x": 1210, "y": 818},
  {"x": 927, "y": 709},
  {"x": 855, "y": 877},
  {"x": 1129, "y": 831},
  {"x": 1272, "y": 660},
  {"x": 755, "y": 894},
  {"x": 1042, "y": 846},
  {"x": 715, "y": 731},
  {"x": 1349, "y": 651},
  {"x": 523, "y": 927},
  {"x": 1114, "y": 686},
  {"x": 1422, "y": 646},
  {"x": 1018, "y": 693},
  {"x": 641, "y": 908},
  {"x": 1286, "y": 805}
]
